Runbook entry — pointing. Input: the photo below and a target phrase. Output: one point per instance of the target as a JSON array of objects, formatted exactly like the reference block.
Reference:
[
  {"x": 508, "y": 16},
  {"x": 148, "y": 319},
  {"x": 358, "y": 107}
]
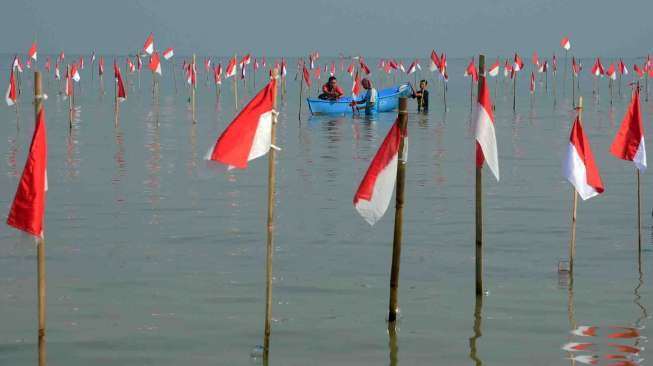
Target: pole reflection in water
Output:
[
  {"x": 11, "y": 155},
  {"x": 393, "y": 346},
  {"x": 638, "y": 302},
  {"x": 43, "y": 353},
  {"x": 153, "y": 163},
  {"x": 478, "y": 316}
]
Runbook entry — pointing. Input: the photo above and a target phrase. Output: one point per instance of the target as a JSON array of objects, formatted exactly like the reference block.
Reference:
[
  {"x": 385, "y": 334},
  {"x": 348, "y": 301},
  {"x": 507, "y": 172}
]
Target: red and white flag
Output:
[
  {"x": 231, "y": 68},
  {"x": 317, "y": 73},
  {"x": 284, "y": 71},
  {"x": 32, "y": 52},
  {"x": 130, "y": 65},
  {"x": 155, "y": 63},
  {"x": 470, "y": 71},
  {"x": 375, "y": 190},
  {"x": 16, "y": 64},
  {"x": 486, "y": 140},
  {"x": 100, "y": 66},
  {"x": 246, "y": 60},
  {"x": 356, "y": 86},
  {"x": 62, "y": 56},
  {"x": 12, "y": 94},
  {"x": 307, "y": 76},
  {"x": 48, "y": 64},
  {"x": 628, "y": 144},
  {"x": 639, "y": 71},
  {"x": 350, "y": 70},
  {"x": 536, "y": 60},
  {"x": 565, "y": 43},
  {"x": 532, "y": 84},
  {"x": 139, "y": 62},
  {"x": 81, "y": 62},
  {"x": 27, "y": 210},
  {"x": 494, "y": 69},
  {"x": 74, "y": 72},
  {"x": 623, "y": 70},
  {"x": 364, "y": 67},
  {"x": 332, "y": 71},
  {"x": 168, "y": 53},
  {"x": 435, "y": 62},
  {"x": 217, "y": 71},
  {"x": 69, "y": 83},
  {"x": 518, "y": 64},
  {"x": 122, "y": 95},
  {"x": 612, "y": 73},
  {"x": 249, "y": 135},
  {"x": 412, "y": 68},
  {"x": 148, "y": 47},
  {"x": 57, "y": 75},
  {"x": 579, "y": 167},
  {"x": 597, "y": 68}
]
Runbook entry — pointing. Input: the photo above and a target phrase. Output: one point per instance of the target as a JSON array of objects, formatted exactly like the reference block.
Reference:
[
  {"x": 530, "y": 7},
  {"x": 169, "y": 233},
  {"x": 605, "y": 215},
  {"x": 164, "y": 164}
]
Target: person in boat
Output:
[
  {"x": 422, "y": 96},
  {"x": 331, "y": 90},
  {"x": 369, "y": 99}
]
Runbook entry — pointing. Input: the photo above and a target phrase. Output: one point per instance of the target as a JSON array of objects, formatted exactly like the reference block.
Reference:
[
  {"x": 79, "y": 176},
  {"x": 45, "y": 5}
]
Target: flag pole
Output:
[
  {"x": 514, "y": 90},
  {"x": 573, "y": 89},
  {"x": 236, "y": 84},
  {"x": 174, "y": 74},
  {"x": 399, "y": 213},
  {"x": 116, "y": 106},
  {"x": 572, "y": 242},
  {"x": 70, "y": 99},
  {"x": 270, "y": 224},
  {"x": 192, "y": 88},
  {"x": 40, "y": 246},
  {"x": 301, "y": 93},
  {"x": 564, "y": 80},
  {"x": 639, "y": 216},
  {"x": 479, "y": 197}
]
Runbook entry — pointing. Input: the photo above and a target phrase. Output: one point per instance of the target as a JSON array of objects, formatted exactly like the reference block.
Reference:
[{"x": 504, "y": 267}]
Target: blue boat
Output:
[{"x": 388, "y": 101}]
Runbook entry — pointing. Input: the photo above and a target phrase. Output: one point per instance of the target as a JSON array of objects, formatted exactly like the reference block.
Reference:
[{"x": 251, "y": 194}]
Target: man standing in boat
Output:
[
  {"x": 370, "y": 97},
  {"x": 331, "y": 90},
  {"x": 422, "y": 96}
]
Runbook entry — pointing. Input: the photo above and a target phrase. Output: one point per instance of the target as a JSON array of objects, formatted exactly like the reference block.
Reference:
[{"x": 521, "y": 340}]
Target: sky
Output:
[{"x": 380, "y": 28}]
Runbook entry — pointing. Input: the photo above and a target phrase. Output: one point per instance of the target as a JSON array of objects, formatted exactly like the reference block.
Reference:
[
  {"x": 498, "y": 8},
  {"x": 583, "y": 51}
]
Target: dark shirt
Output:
[{"x": 422, "y": 100}]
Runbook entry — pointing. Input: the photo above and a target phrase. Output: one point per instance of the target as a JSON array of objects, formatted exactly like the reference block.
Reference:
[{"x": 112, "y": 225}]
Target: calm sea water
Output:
[{"x": 155, "y": 257}]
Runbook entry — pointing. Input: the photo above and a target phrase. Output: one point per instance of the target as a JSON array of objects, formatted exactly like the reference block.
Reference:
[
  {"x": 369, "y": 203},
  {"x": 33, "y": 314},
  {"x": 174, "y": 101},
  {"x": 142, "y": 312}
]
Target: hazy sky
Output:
[{"x": 372, "y": 28}]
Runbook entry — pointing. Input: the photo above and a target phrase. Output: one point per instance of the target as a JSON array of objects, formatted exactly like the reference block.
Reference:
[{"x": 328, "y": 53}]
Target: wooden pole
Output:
[
  {"x": 514, "y": 91},
  {"x": 620, "y": 82},
  {"x": 478, "y": 321},
  {"x": 70, "y": 101},
  {"x": 471, "y": 93},
  {"x": 174, "y": 74},
  {"x": 40, "y": 246},
  {"x": 301, "y": 95},
  {"x": 564, "y": 80},
  {"x": 399, "y": 210},
  {"x": 116, "y": 104},
  {"x": 479, "y": 198},
  {"x": 270, "y": 226},
  {"x": 192, "y": 89},
  {"x": 573, "y": 89},
  {"x": 639, "y": 215}
]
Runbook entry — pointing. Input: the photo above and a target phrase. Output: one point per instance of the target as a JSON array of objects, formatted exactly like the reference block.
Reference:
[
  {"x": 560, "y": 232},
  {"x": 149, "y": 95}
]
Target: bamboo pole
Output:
[
  {"x": 514, "y": 90},
  {"x": 639, "y": 216},
  {"x": 479, "y": 198},
  {"x": 564, "y": 80},
  {"x": 301, "y": 95},
  {"x": 174, "y": 75},
  {"x": 40, "y": 248},
  {"x": 478, "y": 321},
  {"x": 116, "y": 104},
  {"x": 399, "y": 209},
  {"x": 573, "y": 89},
  {"x": 270, "y": 223},
  {"x": 192, "y": 88},
  {"x": 70, "y": 100},
  {"x": 392, "y": 345}
]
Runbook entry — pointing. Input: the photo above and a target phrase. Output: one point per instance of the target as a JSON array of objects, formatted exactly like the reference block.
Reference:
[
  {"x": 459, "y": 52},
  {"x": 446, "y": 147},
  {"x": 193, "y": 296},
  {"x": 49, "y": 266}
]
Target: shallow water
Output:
[{"x": 155, "y": 257}]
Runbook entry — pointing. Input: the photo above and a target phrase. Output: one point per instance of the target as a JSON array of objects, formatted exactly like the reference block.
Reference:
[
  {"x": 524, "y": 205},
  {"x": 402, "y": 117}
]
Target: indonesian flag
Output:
[
  {"x": 486, "y": 141},
  {"x": 612, "y": 73},
  {"x": 579, "y": 167},
  {"x": 507, "y": 69},
  {"x": 536, "y": 61},
  {"x": 155, "y": 63},
  {"x": 316, "y": 55},
  {"x": 122, "y": 95},
  {"x": 28, "y": 63},
  {"x": 246, "y": 60},
  {"x": 11, "y": 95},
  {"x": 375, "y": 190},
  {"x": 57, "y": 75},
  {"x": 532, "y": 84},
  {"x": 435, "y": 61},
  {"x": 255, "y": 65},
  {"x": 62, "y": 56},
  {"x": 628, "y": 144},
  {"x": 242, "y": 69},
  {"x": 207, "y": 65},
  {"x": 130, "y": 65},
  {"x": 75, "y": 73},
  {"x": 575, "y": 68},
  {"x": 263, "y": 62},
  {"x": 148, "y": 47},
  {"x": 27, "y": 210},
  {"x": 364, "y": 67},
  {"x": 231, "y": 68},
  {"x": 249, "y": 135},
  {"x": 577, "y": 346},
  {"x": 554, "y": 63},
  {"x": 168, "y": 53},
  {"x": 139, "y": 63},
  {"x": 216, "y": 74},
  {"x": 356, "y": 87},
  {"x": 623, "y": 70},
  {"x": 48, "y": 64},
  {"x": 565, "y": 43},
  {"x": 443, "y": 64},
  {"x": 519, "y": 64},
  {"x": 317, "y": 73},
  {"x": 412, "y": 68},
  {"x": 310, "y": 61},
  {"x": 16, "y": 64},
  {"x": 93, "y": 56},
  {"x": 393, "y": 64},
  {"x": 388, "y": 68},
  {"x": 597, "y": 69},
  {"x": 69, "y": 83},
  {"x": 542, "y": 67},
  {"x": 470, "y": 71},
  {"x": 307, "y": 76},
  {"x": 494, "y": 69},
  {"x": 350, "y": 69},
  {"x": 332, "y": 71},
  {"x": 100, "y": 66},
  {"x": 81, "y": 62},
  {"x": 32, "y": 52},
  {"x": 639, "y": 71},
  {"x": 284, "y": 71}
]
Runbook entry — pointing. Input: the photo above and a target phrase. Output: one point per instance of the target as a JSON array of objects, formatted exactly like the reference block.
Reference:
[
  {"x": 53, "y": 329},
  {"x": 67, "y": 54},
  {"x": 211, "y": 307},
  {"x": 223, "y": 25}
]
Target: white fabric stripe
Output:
[
  {"x": 384, "y": 185},
  {"x": 574, "y": 169},
  {"x": 262, "y": 138},
  {"x": 10, "y": 102},
  {"x": 640, "y": 156},
  {"x": 486, "y": 137}
]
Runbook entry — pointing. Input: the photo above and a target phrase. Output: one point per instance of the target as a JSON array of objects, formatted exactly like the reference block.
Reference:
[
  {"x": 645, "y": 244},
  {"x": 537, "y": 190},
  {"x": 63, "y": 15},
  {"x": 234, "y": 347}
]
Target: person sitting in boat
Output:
[
  {"x": 422, "y": 96},
  {"x": 370, "y": 97},
  {"x": 331, "y": 90}
]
